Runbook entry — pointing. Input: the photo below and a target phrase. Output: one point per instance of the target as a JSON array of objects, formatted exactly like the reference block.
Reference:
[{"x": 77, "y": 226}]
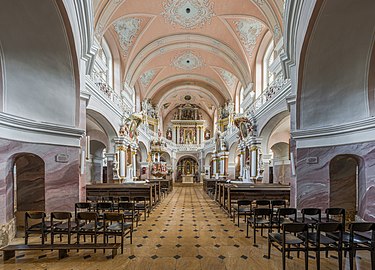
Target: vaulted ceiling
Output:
[{"x": 168, "y": 49}]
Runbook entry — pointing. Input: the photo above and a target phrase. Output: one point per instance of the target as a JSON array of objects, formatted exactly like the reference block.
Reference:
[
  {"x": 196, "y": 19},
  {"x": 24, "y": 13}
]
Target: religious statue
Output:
[
  {"x": 169, "y": 134},
  {"x": 175, "y": 116},
  {"x": 207, "y": 134}
]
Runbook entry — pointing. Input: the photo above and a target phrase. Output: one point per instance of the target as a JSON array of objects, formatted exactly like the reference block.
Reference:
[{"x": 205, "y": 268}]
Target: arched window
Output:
[
  {"x": 241, "y": 99},
  {"x": 267, "y": 61},
  {"x": 106, "y": 57}
]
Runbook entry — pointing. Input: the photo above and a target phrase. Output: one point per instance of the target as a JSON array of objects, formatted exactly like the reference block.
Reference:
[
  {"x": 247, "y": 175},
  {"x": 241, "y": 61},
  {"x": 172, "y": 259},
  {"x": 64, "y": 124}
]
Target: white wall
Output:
[{"x": 39, "y": 77}]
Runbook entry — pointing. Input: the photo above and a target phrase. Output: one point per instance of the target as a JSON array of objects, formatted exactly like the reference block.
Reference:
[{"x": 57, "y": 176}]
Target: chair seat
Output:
[
  {"x": 90, "y": 226},
  {"x": 282, "y": 220},
  {"x": 325, "y": 240},
  {"x": 64, "y": 226},
  {"x": 243, "y": 210},
  {"x": 258, "y": 221},
  {"x": 117, "y": 226},
  {"x": 290, "y": 239},
  {"x": 357, "y": 239},
  {"x": 141, "y": 205}
]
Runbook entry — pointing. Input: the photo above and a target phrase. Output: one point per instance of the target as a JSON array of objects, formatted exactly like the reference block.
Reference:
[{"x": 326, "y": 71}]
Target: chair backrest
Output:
[
  {"x": 363, "y": 227},
  {"x": 61, "y": 215},
  {"x": 278, "y": 203},
  {"x": 83, "y": 206},
  {"x": 124, "y": 199},
  {"x": 129, "y": 206},
  {"x": 329, "y": 227},
  {"x": 262, "y": 212},
  {"x": 139, "y": 199},
  {"x": 104, "y": 206},
  {"x": 262, "y": 203},
  {"x": 113, "y": 216},
  {"x": 294, "y": 227},
  {"x": 92, "y": 198},
  {"x": 311, "y": 212},
  {"x": 35, "y": 215},
  {"x": 244, "y": 202},
  {"x": 335, "y": 212},
  {"x": 283, "y": 212},
  {"x": 87, "y": 216}
]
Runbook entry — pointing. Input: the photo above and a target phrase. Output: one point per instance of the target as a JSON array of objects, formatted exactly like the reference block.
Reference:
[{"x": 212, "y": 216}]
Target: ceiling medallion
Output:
[
  {"x": 188, "y": 14},
  {"x": 187, "y": 61},
  {"x": 147, "y": 77},
  {"x": 126, "y": 30},
  {"x": 248, "y": 30}
]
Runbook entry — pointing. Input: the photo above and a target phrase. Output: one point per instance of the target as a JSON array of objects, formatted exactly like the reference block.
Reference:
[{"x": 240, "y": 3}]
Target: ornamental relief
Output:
[
  {"x": 187, "y": 60},
  {"x": 147, "y": 77},
  {"x": 248, "y": 31},
  {"x": 188, "y": 14},
  {"x": 227, "y": 77},
  {"x": 127, "y": 29}
]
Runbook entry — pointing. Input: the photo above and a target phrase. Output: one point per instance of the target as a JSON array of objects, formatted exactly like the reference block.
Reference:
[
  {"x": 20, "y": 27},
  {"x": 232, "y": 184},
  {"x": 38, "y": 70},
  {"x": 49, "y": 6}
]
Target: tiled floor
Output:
[{"x": 186, "y": 231}]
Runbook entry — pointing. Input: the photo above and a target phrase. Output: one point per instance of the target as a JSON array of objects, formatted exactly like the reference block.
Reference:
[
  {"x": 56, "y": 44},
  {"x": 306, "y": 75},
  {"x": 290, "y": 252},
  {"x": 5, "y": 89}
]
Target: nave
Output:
[{"x": 187, "y": 230}]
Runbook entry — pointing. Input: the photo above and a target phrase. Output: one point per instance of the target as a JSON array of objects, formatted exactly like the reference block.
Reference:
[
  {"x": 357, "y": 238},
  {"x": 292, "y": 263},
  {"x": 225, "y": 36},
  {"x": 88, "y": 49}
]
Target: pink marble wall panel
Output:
[
  {"x": 312, "y": 184},
  {"x": 62, "y": 180}
]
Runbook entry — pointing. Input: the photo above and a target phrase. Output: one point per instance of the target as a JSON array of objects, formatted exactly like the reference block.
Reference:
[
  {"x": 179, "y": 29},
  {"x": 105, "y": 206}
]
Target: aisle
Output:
[{"x": 189, "y": 231}]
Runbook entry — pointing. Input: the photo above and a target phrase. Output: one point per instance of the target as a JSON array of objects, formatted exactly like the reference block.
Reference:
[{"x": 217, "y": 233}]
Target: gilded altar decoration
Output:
[
  {"x": 130, "y": 125},
  {"x": 246, "y": 128},
  {"x": 188, "y": 14}
]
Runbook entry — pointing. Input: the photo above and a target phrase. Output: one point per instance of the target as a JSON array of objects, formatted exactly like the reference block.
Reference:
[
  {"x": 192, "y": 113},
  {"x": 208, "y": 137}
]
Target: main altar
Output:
[{"x": 188, "y": 126}]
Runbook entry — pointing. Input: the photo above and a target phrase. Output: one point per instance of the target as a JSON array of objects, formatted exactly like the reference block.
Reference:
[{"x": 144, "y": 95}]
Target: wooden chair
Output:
[
  {"x": 90, "y": 226},
  {"x": 243, "y": 208},
  {"x": 141, "y": 204},
  {"x": 129, "y": 212},
  {"x": 277, "y": 204},
  {"x": 63, "y": 227},
  {"x": 311, "y": 216},
  {"x": 115, "y": 225},
  {"x": 335, "y": 215},
  {"x": 288, "y": 241},
  {"x": 283, "y": 216},
  {"x": 261, "y": 219},
  {"x": 361, "y": 236},
  {"x": 40, "y": 228},
  {"x": 321, "y": 242}
]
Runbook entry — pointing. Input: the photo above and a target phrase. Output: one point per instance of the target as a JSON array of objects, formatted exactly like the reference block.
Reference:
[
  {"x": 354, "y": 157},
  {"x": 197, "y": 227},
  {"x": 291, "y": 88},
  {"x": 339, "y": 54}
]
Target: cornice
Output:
[
  {"x": 352, "y": 127},
  {"x": 14, "y": 122}
]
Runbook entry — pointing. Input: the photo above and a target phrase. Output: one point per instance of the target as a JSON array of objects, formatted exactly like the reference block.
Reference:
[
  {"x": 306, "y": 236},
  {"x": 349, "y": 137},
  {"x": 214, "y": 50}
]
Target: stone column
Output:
[
  {"x": 254, "y": 162},
  {"x": 178, "y": 135},
  {"x": 242, "y": 163},
  {"x": 214, "y": 159},
  {"x": 112, "y": 163},
  {"x": 174, "y": 134},
  {"x": 120, "y": 149},
  {"x": 134, "y": 163}
]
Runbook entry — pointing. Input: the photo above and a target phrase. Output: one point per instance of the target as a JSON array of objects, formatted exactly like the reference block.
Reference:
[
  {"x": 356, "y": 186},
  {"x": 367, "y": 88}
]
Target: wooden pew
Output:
[
  {"x": 239, "y": 190},
  {"x": 147, "y": 190},
  {"x": 10, "y": 250}
]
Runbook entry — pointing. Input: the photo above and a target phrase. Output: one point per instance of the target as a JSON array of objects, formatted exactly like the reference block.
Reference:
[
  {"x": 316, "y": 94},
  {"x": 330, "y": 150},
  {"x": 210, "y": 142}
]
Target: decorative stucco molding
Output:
[
  {"x": 127, "y": 29},
  {"x": 188, "y": 14},
  {"x": 187, "y": 60},
  {"x": 248, "y": 31}
]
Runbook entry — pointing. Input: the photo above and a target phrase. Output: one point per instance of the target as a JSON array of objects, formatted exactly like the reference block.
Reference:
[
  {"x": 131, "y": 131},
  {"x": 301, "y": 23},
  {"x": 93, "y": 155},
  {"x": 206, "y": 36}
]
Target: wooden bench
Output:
[{"x": 10, "y": 250}]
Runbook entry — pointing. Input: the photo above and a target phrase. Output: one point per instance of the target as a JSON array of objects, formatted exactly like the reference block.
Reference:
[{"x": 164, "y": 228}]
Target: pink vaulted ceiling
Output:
[{"x": 162, "y": 50}]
